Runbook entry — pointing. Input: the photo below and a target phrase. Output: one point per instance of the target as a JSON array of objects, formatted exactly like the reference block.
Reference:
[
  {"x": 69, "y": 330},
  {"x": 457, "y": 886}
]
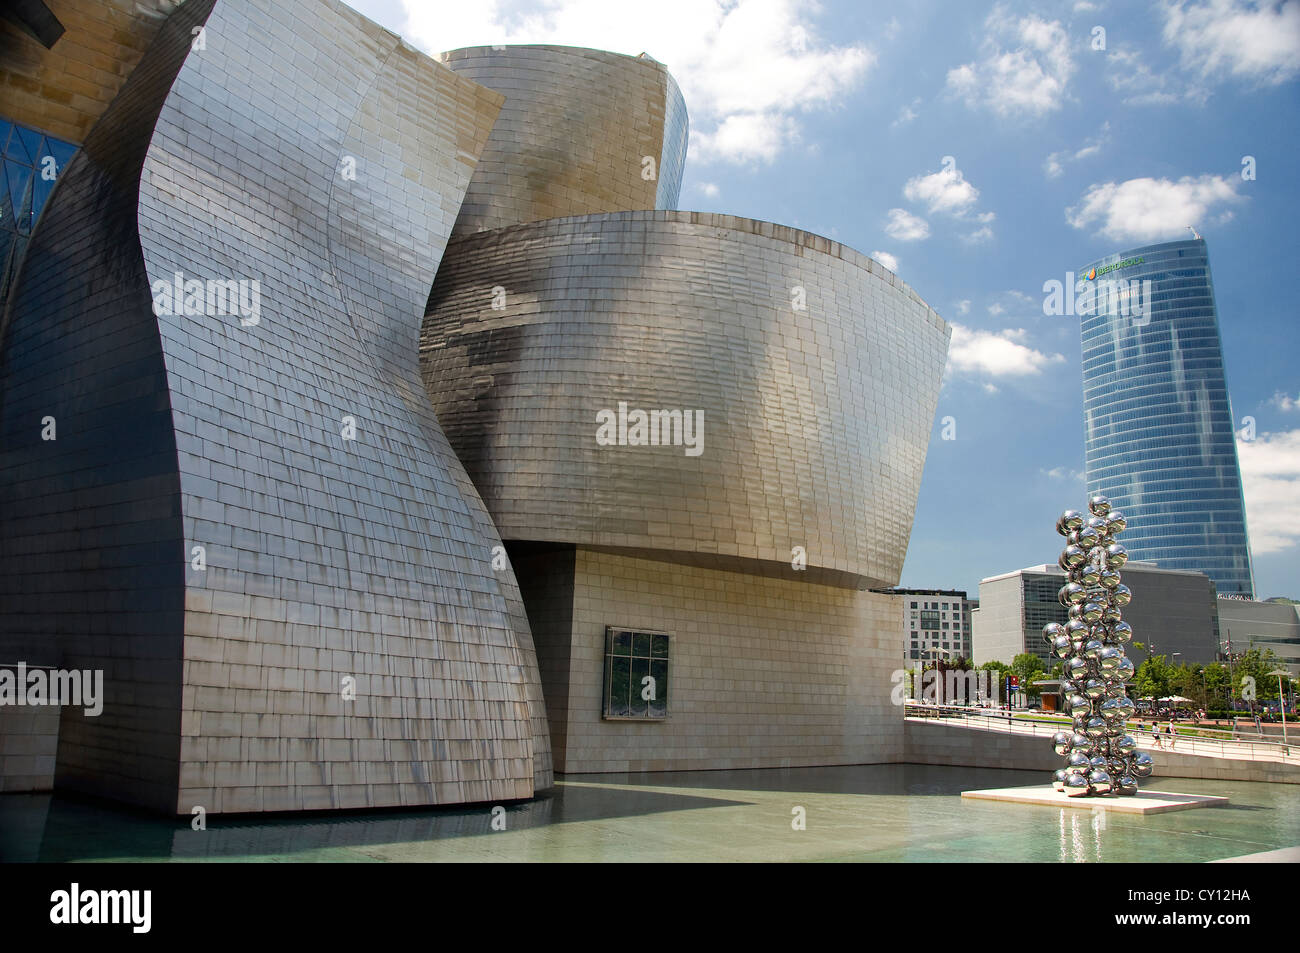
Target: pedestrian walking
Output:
[
  {"x": 1155, "y": 734},
  {"x": 1169, "y": 733}
]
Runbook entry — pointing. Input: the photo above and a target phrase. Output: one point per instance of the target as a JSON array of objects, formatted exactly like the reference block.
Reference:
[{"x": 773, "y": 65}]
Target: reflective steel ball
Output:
[
  {"x": 1070, "y": 521},
  {"x": 1099, "y": 506},
  {"x": 1072, "y": 557},
  {"x": 1076, "y": 785},
  {"x": 1078, "y": 704},
  {"x": 1116, "y": 556},
  {"x": 1099, "y": 780},
  {"x": 1071, "y": 594}
]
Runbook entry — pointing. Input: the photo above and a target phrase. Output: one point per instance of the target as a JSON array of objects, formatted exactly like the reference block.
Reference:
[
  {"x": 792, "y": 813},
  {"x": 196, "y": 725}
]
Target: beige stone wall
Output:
[
  {"x": 63, "y": 90},
  {"x": 763, "y": 672},
  {"x": 935, "y": 743}
]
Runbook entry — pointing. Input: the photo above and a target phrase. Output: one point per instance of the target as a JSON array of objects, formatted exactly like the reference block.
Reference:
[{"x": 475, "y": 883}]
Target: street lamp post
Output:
[{"x": 1281, "y": 699}]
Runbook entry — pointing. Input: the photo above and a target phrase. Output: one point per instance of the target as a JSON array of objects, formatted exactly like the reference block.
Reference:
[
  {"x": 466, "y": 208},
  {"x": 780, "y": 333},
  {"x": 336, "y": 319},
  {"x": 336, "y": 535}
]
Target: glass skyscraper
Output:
[{"x": 1158, "y": 424}]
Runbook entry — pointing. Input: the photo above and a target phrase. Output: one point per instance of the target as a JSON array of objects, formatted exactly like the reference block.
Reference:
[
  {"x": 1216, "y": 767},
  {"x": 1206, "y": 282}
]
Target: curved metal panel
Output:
[
  {"x": 344, "y": 639},
  {"x": 814, "y": 370},
  {"x": 581, "y": 131}
]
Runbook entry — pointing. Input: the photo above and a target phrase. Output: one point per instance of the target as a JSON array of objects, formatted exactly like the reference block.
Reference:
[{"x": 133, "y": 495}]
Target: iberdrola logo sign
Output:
[
  {"x": 1094, "y": 294},
  {"x": 1095, "y": 273}
]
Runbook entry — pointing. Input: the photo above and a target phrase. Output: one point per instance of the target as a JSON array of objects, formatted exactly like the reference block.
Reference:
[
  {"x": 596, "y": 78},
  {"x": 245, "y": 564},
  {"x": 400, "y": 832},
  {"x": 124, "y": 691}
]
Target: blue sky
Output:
[{"x": 837, "y": 117}]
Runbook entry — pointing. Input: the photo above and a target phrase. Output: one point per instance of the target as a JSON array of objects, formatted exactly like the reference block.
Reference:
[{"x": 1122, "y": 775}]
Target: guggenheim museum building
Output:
[{"x": 384, "y": 434}]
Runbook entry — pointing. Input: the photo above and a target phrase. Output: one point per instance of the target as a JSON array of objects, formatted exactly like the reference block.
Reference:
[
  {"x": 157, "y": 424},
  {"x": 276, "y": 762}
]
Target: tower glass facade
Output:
[{"x": 1158, "y": 424}]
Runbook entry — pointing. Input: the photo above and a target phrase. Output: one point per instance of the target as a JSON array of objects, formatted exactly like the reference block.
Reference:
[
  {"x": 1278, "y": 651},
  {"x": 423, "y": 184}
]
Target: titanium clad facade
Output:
[
  {"x": 815, "y": 422},
  {"x": 574, "y": 135},
  {"x": 348, "y": 642},
  {"x": 1158, "y": 424}
]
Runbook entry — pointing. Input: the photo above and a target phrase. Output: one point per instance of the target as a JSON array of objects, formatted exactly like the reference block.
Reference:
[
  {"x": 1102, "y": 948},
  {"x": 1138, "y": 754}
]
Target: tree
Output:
[
  {"x": 1028, "y": 668},
  {"x": 1155, "y": 678},
  {"x": 1217, "y": 684}
]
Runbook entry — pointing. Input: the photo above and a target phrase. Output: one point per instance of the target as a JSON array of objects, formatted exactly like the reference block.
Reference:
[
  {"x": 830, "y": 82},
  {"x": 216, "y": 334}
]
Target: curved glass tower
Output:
[{"x": 1158, "y": 425}]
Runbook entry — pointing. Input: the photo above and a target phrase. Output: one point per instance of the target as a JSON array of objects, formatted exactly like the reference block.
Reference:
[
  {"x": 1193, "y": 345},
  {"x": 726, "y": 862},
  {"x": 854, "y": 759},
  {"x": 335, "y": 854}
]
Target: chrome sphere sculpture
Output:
[{"x": 1101, "y": 758}]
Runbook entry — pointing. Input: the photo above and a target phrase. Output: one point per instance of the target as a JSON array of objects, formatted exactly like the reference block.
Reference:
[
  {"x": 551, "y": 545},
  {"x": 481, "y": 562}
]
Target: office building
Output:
[
  {"x": 1158, "y": 424},
  {"x": 1173, "y": 613}
]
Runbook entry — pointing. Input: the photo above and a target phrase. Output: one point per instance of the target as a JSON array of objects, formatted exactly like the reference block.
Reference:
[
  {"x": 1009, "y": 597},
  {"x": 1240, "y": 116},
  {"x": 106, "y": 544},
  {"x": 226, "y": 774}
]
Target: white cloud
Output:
[
  {"x": 1128, "y": 73},
  {"x": 886, "y": 259},
  {"x": 995, "y": 309},
  {"x": 744, "y": 137},
  {"x": 903, "y": 226},
  {"x": 747, "y": 68},
  {"x": 1150, "y": 209},
  {"x": 944, "y": 191},
  {"x": 963, "y": 306},
  {"x": 996, "y": 353},
  {"x": 1062, "y": 473},
  {"x": 1025, "y": 67},
  {"x": 907, "y": 113},
  {"x": 1252, "y": 41},
  {"x": 710, "y": 189},
  {"x": 1284, "y": 402},
  {"x": 948, "y": 192},
  {"x": 1270, "y": 476},
  {"x": 1054, "y": 164}
]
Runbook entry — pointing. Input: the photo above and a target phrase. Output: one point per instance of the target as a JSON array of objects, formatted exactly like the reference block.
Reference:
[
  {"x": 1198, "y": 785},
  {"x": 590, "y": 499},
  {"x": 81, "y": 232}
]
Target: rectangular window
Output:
[
  {"x": 930, "y": 620},
  {"x": 636, "y": 674},
  {"x": 913, "y": 605}
]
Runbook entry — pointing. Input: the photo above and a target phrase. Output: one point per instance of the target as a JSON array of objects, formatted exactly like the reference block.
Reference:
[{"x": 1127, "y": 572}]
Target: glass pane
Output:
[
  {"x": 62, "y": 151},
  {"x": 15, "y": 148},
  {"x": 621, "y": 642},
  {"x": 31, "y": 142},
  {"x": 20, "y": 195},
  {"x": 659, "y": 672},
  {"x": 638, "y": 707},
  {"x": 617, "y": 703},
  {"x": 641, "y": 645},
  {"x": 659, "y": 646},
  {"x": 41, "y": 188}
]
